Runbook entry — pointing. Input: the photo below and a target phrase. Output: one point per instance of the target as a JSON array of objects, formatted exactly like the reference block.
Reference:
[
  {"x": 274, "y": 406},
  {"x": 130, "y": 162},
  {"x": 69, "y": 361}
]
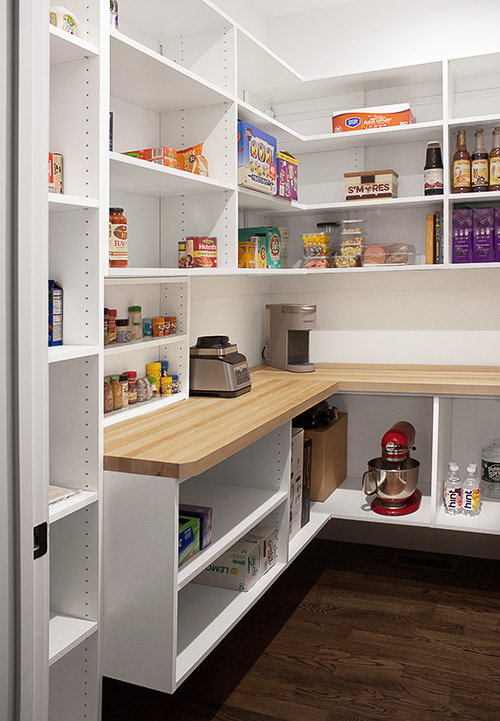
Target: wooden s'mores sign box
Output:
[{"x": 371, "y": 184}]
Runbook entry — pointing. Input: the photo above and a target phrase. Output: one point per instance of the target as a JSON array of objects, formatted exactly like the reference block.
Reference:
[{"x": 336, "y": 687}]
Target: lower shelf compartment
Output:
[
  {"x": 488, "y": 520},
  {"x": 65, "y": 633},
  {"x": 207, "y": 614}
]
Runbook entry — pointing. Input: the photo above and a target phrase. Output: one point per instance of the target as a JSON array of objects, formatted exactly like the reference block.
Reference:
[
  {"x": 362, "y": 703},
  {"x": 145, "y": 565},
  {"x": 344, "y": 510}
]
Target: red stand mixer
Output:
[{"x": 393, "y": 477}]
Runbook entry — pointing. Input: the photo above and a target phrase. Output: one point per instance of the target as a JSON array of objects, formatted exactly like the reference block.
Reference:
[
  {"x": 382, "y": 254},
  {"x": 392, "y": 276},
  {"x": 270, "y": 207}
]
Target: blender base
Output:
[{"x": 412, "y": 504}]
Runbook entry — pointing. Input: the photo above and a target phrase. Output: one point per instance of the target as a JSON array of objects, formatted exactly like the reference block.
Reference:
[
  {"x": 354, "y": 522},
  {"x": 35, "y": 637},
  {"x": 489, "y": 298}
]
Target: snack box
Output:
[
  {"x": 296, "y": 471},
  {"x": 192, "y": 160},
  {"x": 201, "y": 252},
  {"x": 163, "y": 155},
  {"x": 381, "y": 116},
  {"x": 483, "y": 228},
  {"x": 238, "y": 568},
  {"x": 204, "y": 514},
  {"x": 497, "y": 235},
  {"x": 267, "y": 537},
  {"x": 256, "y": 159},
  {"x": 287, "y": 172},
  {"x": 189, "y": 538},
  {"x": 371, "y": 184},
  {"x": 461, "y": 236},
  {"x": 269, "y": 245},
  {"x": 55, "y": 313},
  {"x": 55, "y": 173}
]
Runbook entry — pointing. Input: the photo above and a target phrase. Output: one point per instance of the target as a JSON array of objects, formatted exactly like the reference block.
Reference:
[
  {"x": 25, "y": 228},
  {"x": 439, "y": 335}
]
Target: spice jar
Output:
[
  {"x": 118, "y": 250},
  {"x": 166, "y": 385},
  {"x": 153, "y": 370},
  {"x": 147, "y": 327},
  {"x": 108, "y": 395},
  {"x": 117, "y": 392},
  {"x": 175, "y": 383},
  {"x": 135, "y": 321},
  {"x": 123, "y": 333},
  {"x": 154, "y": 389},
  {"x": 124, "y": 384},
  {"x": 112, "y": 313},
  {"x": 132, "y": 387},
  {"x": 143, "y": 389}
]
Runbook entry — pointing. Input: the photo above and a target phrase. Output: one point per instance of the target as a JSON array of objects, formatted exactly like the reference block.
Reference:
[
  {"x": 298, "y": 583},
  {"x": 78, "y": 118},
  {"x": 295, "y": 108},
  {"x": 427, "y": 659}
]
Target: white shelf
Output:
[
  {"x": 236, "y": 511},
  {"x": 207, "y": 614},
  {"x": 474, "y": 121},
  {"x": 60, "y": 353},
  {"x": 138, "y": 409},
  {"x": 141, "y": 177},
  {"x": 169, "y": 86},
  {"x": 349, "y": 502},
  {"x": 117, "y": 277},
  {"x": 61, "y": 509},
  {"x": 65, "y": 47},
  {"x": 297, "y": 544},
  {"x": 60, "y": 203},
  {"x": 267, "y": 123},
  {"x": 476, "y": 198},
  {"x": 138, "y": 345},
  {"x": 488, "y": 520},
  {"x": 65, "y": 633}
]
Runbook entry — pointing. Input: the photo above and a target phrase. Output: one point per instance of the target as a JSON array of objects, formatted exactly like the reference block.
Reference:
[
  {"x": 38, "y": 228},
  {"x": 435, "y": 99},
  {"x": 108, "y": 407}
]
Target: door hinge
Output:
[{"x": 40, "y": 540}]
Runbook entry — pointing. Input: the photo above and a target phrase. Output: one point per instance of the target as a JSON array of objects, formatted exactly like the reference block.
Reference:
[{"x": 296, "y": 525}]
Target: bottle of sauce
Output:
[
  {"x": 495, "y": 160},
  {"x": 479, "y": 165},
  {"x": 433, "y": 170},
  {"x": 118, "y": 251},
  {"x": 461, "y": 182}
]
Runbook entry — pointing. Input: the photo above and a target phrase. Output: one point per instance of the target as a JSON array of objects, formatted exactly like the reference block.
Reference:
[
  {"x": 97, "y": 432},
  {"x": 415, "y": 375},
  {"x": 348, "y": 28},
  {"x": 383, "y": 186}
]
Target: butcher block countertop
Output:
[{"x": 185, "y": 439}]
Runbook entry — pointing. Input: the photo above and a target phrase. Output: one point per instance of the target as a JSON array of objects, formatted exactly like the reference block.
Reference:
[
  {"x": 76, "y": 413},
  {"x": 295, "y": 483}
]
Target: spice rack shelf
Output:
[
  {"x": 139, "y": 409},
  {"x": 120, "y": 348}
]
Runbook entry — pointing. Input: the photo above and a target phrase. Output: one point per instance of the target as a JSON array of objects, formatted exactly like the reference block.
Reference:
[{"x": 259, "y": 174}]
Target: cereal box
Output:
[
  {"x": 269, "y": 245},
  {"x": 382, "y": 116},
  {"x": 461, "y": 236},
  {"x": 256, "y": 159},
  {"x": 204, "y": 514},
  {"x": 55, "y": 173},
  {"x": 287, "y": 175},
  {"x": 189, "y": 538},
  {"x": 55, "y": 313},
  {"x": 483, "y": 235},
  {"x": 238, "y": 568},
  {"x": 201, "y": 252}
]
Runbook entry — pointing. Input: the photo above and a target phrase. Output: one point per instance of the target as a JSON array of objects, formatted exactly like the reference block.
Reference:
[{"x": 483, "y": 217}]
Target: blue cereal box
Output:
[
  {"x": 256, "y": 159},
  {"x": 189, "y": 538},
  {"x": 204, "y": 514},
  {"x": 287, "y": 176}
]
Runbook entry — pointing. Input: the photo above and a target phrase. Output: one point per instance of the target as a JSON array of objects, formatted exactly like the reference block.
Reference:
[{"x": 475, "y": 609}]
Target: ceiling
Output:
[{"x": 279, "y": 8}]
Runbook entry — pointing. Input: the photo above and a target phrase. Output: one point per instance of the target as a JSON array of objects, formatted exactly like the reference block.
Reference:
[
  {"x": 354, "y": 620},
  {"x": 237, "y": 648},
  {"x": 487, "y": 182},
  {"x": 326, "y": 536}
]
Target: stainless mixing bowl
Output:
[{"x": 393, "y": 485}]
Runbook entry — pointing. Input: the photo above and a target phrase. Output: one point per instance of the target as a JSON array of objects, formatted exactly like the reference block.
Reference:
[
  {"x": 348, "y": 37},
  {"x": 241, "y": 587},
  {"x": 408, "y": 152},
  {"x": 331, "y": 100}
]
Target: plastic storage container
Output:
[{"x": 388, "y": 254}]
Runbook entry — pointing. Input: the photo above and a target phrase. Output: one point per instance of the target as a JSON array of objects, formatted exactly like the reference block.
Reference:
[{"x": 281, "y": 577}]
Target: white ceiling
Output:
[{"x": 279, "y": 8}]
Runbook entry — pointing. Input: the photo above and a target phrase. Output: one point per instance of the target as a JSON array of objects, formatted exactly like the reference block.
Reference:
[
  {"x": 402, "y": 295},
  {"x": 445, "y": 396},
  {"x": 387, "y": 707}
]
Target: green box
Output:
[
  {"x": 189, "y": 538},
  {"x": 272, "y": 248}
]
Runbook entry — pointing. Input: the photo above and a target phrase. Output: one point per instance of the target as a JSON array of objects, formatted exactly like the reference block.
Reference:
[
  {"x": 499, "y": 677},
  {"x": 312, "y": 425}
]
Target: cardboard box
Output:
[
  {"x": 306, "y": 482},
  {"x": 204, "y": 515},
  {"x": 267, "y": 538},
  {"x": 287, "y": 172},
  {"x": 329, "y": 457},
  {"x": 296, "y": 470},
  {"x": 189, "y": 538},
  {"x": 268, "y": 242},
  {"x": 238, "y": 568},
  {"x": 461, "y": 236},
  {"x": 497, "y": 235},
  {"x": 483, "y": 235},
  {"x": 256, "y": 159},
  {"x": 161, "y": 154},
  {"x": 371, "y": 184},
  {"x": 381, "y": 116},
  {"x": 55, "y": 173},
  {"x": 55, "y": 313}
]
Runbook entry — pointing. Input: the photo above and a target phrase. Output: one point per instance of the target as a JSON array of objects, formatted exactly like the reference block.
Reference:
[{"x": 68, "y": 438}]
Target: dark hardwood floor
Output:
[{"x": 347, "y": 635}]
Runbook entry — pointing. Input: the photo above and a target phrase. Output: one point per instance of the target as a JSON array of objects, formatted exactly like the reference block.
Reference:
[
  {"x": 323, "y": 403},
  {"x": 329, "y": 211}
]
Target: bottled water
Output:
[
  {"x": 471, "y": 493},
  {"x": 452, "y": 492},
  {"x": 490, "y": 470}
]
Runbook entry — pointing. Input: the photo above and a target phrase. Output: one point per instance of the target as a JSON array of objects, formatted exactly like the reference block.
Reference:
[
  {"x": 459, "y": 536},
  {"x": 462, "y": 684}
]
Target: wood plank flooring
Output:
[{"x": 347, "y": 635}]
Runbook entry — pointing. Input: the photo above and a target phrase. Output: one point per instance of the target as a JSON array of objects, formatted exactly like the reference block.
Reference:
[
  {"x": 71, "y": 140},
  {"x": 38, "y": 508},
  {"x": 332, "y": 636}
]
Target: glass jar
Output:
[
  {"x": 123, "y": 332},
  {"x": 158, "y": 327},
  {"x": 118, "y": 248},
  {"x": 135, "y": 321},
  {"x": 143, "y": 390},
  {"x": 490, "y": 470}
]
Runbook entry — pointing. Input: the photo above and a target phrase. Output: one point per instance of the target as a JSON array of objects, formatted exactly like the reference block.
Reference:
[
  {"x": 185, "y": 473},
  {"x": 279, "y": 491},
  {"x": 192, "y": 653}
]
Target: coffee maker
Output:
[{"x": 287, "y": 336}]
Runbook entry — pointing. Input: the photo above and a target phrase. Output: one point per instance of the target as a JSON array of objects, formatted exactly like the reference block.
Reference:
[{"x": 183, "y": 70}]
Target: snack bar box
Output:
[
  {"x": 371, "y": 184},
  {"x": 287, "y": 176},
  {"x": 382, "y": 116},
  {"x": 256, "y": 159},
  {"x": 238, "y": 568}
]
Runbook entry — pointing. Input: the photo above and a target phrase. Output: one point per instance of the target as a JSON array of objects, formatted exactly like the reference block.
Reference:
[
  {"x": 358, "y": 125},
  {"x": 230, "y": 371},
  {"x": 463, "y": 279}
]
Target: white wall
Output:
[{"x": 362, "y": 35}]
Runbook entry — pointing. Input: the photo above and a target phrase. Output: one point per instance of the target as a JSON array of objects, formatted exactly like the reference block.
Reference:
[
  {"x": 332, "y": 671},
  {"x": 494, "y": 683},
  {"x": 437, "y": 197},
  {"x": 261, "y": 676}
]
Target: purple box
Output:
[
  {"x": 497, "y": 235},
  {"x": 461, "y": 236},
  {"x": 287, "y": 171},
  {"x": 484, "y": 232}
]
